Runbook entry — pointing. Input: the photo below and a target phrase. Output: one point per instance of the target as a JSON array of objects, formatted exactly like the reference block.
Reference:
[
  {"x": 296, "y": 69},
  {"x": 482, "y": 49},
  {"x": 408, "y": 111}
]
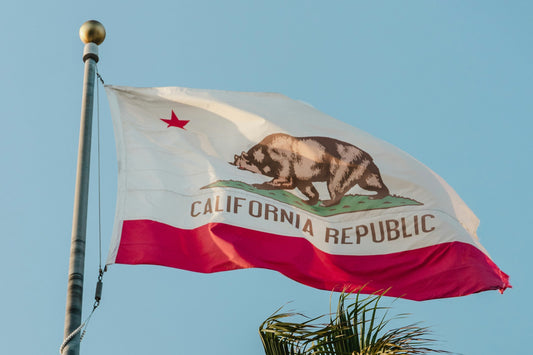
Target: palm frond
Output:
[
  {"x": 355, "y": 328},
  {"x": 281, "y": 337}
]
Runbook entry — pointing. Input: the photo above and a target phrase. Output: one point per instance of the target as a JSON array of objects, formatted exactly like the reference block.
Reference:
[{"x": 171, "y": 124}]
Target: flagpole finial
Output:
[{"x": 92, "y": 31}]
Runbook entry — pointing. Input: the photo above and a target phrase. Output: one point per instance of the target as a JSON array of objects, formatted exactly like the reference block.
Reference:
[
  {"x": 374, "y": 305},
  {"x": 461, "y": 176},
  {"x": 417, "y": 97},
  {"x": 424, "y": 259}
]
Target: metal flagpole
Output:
[{"x": 92, "y": 33}]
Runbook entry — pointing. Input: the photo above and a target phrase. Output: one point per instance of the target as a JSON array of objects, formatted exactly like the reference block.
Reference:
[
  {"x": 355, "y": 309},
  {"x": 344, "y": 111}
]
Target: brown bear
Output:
[{"x": 297, "y": 162}]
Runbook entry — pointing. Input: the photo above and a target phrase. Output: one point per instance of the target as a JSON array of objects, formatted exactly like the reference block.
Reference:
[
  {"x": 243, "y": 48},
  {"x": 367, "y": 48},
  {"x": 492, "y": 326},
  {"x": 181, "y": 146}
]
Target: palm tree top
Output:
[{"x": 357, "y": 327}]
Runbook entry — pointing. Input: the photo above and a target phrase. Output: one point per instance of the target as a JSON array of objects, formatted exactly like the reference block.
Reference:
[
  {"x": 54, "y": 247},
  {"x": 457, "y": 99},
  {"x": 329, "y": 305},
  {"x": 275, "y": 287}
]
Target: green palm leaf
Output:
[
  {"x": 286, "y": 338},
  {"x": 355, "y": 328}
]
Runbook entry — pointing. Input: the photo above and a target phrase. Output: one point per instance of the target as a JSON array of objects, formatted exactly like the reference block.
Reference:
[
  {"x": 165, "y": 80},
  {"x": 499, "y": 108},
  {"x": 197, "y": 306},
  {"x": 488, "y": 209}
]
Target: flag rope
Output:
[
  {"x": 85, "y": 324},
  {"x": 98, "y": 168}
]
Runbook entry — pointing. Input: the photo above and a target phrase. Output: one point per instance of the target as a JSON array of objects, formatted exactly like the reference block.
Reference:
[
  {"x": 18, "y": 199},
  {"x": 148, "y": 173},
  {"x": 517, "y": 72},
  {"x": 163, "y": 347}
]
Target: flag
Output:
[{"x": 212, "y": 181}]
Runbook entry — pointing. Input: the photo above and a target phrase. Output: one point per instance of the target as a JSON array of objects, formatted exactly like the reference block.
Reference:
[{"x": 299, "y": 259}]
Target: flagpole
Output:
[{"x": 92, "y": 33}]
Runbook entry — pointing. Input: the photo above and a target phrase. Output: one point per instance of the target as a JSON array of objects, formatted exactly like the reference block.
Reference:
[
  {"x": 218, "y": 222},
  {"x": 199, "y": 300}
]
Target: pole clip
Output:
[{"x": 99, "y": 286}]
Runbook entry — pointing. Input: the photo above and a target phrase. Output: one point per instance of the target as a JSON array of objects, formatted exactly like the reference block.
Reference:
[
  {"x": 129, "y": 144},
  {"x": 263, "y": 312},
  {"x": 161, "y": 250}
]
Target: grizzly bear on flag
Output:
[{"x": 297, "y": 162}]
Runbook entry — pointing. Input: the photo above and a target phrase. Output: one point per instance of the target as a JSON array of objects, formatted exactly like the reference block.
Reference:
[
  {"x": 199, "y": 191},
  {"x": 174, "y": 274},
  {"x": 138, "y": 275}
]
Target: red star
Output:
[{"x": 175, "y": 121}]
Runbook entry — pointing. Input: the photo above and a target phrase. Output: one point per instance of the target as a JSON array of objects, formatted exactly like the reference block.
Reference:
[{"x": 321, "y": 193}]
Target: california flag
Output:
[{"x": 215, "y": 180}]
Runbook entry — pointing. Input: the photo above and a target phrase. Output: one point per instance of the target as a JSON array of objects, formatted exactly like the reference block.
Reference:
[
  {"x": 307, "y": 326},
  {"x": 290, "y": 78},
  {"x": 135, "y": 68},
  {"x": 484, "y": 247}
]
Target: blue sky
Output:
[{"x": 449, "y": 82}]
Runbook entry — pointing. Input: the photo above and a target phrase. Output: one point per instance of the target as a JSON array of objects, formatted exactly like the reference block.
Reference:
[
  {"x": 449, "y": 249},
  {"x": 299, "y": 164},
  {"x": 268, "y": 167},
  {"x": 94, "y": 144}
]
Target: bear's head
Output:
[{"x": 244, "y": 163}]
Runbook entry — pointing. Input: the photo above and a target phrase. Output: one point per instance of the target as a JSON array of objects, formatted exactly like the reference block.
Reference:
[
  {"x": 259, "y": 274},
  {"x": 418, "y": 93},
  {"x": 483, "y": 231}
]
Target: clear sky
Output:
[{"x": 449, "y": 82}]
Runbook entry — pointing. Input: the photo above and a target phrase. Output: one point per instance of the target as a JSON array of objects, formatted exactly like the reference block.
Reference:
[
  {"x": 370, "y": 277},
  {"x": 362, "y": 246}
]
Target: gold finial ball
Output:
[{"x": 92, "y": 32}]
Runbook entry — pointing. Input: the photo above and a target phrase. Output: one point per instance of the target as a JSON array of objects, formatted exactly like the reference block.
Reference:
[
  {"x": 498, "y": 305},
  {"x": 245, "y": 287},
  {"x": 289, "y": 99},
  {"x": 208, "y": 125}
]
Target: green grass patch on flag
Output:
[{"x": 348, "y": 204}]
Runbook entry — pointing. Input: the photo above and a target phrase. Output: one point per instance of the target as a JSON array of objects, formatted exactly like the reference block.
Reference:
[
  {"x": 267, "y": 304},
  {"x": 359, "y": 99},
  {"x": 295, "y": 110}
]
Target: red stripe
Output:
[{"x": 443, "y": 270}]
